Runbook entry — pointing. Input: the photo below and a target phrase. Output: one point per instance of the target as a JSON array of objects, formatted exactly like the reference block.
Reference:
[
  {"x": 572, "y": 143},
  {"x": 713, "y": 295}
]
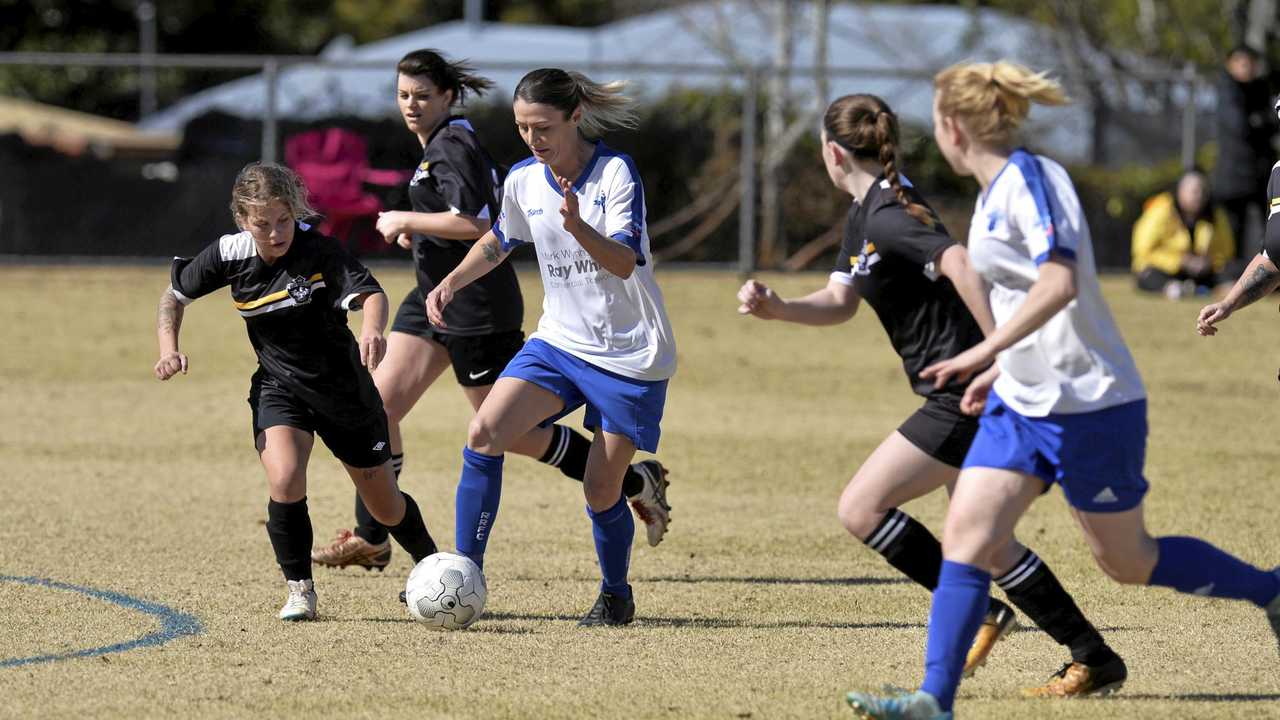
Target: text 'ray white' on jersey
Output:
[
  {"x": 617, "y": 325},
  {"x": 1077, "y": 361}
]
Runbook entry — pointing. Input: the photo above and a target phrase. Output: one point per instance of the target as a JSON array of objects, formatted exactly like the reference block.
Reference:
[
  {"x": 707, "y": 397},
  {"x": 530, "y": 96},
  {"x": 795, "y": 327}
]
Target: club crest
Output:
[{"x": 299, "y": 289}]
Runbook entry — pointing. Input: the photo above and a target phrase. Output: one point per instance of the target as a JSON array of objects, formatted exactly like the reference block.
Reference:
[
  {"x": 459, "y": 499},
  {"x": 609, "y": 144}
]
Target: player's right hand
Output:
[
  {"x": 1210, "y": 316},
  {"x": 756, "y": 298},
  {"x": 171, "y": 364},
  {"x": 437, "y": 299}
]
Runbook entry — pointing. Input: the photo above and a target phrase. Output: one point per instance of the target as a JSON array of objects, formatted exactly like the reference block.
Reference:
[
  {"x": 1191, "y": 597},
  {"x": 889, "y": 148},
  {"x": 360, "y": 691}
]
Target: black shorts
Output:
[
  {"x": 362, "y": 444},
  {"x": 941, "y": 430},
  {"x": 477, "y": 360}
]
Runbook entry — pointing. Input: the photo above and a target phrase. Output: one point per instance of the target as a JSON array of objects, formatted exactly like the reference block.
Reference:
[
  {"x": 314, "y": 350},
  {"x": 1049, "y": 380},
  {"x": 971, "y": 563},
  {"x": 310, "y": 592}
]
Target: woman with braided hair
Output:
[{"x": 898, "y": 257}]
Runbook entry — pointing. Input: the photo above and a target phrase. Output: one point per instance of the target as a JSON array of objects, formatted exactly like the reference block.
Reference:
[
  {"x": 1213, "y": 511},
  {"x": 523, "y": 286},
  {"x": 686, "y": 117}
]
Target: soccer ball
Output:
[{"x": 445, "y": 591}]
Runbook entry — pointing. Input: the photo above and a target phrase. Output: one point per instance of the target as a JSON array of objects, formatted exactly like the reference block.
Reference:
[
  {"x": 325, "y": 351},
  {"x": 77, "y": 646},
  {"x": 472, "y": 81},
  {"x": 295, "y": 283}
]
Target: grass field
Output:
[{"x": 758, "y": 604}]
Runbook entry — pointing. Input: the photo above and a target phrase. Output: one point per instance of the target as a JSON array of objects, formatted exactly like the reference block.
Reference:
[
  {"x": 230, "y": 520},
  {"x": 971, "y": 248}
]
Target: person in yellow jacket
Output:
[{"x": 1182, "y": 244}]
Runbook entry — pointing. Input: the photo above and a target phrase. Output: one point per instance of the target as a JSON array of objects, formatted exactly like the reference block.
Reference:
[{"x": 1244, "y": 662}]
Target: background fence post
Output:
[
  {"x": 1189, "y": 110},
  {"x": 747, "y": 189},
  {"x": 271, "y": 72}
]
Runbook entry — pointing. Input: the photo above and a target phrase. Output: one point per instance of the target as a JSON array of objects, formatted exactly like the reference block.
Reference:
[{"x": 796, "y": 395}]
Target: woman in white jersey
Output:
[
  {"x": 454, "y": 192},
  {"x": 897, "y": 256},
  {"x": 1064, "y": 402},
  {"x": 604, "y": 340}
]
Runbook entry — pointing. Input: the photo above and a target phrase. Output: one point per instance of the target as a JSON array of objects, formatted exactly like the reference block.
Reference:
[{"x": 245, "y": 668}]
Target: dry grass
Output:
[{"x": 758, "y": 605}]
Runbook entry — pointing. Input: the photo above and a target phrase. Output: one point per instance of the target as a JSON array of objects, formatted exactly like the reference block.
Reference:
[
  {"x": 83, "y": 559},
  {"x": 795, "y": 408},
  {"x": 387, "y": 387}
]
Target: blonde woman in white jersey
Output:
[
  {"x": 1064, "y": 402},
  {"x": 604, "y": 340}
]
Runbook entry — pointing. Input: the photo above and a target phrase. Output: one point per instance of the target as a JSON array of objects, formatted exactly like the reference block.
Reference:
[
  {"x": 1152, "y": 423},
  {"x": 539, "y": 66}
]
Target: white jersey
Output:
[
  {"x": 1076, "y": 362},
  {"x": 614, "y": 324}
]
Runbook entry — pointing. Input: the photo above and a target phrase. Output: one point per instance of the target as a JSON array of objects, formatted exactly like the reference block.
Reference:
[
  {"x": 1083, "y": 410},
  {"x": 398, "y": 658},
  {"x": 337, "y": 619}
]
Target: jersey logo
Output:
[
  {"x": 995, "y": 218},
  {"x": 866, "y": 258},
  {"x": 599, "y": 201},
  {"x": 531, "y": 212},
  {"x": 299, "y": 289},
  {"x": 421, "y": 173}
]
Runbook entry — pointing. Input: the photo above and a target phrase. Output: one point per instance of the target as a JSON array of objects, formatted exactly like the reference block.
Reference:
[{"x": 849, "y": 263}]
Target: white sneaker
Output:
[
  {"x": 650, "y": 504},
  {"x": 301, "y": 604}
]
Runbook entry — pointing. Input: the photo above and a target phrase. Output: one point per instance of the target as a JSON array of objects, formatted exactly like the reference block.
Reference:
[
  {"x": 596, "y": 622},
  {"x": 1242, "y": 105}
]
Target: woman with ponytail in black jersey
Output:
[{"x": 898, "y": 257}]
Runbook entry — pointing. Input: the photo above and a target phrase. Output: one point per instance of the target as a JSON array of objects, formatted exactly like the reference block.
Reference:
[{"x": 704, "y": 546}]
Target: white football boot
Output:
[
  {"x": 650, "y": 504},
  {"x": 301, "y": 604}
]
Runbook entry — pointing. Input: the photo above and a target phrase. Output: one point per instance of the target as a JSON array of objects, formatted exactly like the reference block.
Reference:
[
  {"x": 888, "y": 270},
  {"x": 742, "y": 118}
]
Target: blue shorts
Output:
[
  {"x": 1096, "y": 456},
  {"x": 616, "y": 404}
]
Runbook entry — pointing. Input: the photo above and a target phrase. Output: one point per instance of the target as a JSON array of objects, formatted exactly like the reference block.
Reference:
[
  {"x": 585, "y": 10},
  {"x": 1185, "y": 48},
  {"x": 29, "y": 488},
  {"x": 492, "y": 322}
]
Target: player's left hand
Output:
[
  {"x": 391, "y": 225},
  {"x": 975, "y": 394},
  {"x": 373, "y": 348},
  {"x": 405, "y": 240},
  {"x": 569, "y": 208},
  {"x": 959, "y": 368}
]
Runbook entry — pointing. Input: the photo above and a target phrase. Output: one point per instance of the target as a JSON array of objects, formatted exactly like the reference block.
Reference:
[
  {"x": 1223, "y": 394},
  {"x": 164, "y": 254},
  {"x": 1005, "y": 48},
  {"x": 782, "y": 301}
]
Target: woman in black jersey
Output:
[
  {"x": 293, "y": 287},
  {"x": 454, "y": 193},
  {"x": 898, "y": 257}
]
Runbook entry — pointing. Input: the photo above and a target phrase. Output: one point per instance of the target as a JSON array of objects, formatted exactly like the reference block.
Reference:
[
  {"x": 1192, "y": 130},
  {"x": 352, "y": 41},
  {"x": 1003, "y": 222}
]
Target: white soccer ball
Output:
[{"x": 446, "y": 591}]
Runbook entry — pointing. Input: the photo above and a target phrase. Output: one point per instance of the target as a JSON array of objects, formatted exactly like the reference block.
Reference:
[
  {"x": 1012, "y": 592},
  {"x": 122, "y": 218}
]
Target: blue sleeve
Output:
[
  {"x": 1032, "y": 212},
  {"x": 625, "y": 210}
]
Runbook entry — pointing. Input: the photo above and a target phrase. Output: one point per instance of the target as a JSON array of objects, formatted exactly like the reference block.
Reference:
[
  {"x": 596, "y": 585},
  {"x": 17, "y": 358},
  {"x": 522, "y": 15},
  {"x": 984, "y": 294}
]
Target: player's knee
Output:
[
  {"x": 970, "y": 538},
  {"x": 859, "y": 518},
  {"x": 287, "y": 485},
  {"x": 482, "y": 437}
]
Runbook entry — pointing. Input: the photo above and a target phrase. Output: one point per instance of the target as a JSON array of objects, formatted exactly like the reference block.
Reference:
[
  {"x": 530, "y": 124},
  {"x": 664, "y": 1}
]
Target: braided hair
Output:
[{"x": 866, "y": 127}]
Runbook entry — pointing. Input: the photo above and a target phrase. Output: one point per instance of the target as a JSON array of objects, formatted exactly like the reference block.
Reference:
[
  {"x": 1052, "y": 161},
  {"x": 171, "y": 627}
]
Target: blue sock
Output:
[
  {"x": 476, "y": 505},
  {"x": 613, "y": 530},
  {"x": 1193, "y": 566},
  {"x": 959, "y": 605}
]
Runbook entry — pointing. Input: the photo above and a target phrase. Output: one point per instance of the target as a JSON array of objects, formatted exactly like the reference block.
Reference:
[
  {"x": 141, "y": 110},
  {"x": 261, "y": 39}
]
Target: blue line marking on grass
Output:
[{"x": 173, "y": 623}]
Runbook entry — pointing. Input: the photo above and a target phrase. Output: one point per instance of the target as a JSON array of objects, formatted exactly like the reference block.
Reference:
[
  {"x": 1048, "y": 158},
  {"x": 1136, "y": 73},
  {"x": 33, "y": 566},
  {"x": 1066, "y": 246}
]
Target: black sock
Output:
[
  {"x": 412, "y": 533},
  {"x": 632, "y": 482},
  {"x": 366, "y": 527},
  {"x": 289, "y": 527},
  {"x": 1033, "y": 589},
  {"x": 568, "y": 451},
  {"x": 909, "y": 547}
]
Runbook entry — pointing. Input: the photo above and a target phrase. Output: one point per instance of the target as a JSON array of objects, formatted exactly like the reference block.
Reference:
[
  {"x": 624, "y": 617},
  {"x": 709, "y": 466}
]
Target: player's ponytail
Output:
[
  {"x": 457, "y": 77},
  {"x": 258, "y": 184},
  {"x": 994, "y": 98},
  {"x": 604, "y": 106},
  {"x": 866, "y": 127}
]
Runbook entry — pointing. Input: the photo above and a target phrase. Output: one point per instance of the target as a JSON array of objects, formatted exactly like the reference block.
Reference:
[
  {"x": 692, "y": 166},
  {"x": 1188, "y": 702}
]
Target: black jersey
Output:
[
  {"x": 1271, "y": 240},
  {"x": 295, "y": 311},
  {"x": 457, "y": 175},
  {"x": 891, "y": 259}
]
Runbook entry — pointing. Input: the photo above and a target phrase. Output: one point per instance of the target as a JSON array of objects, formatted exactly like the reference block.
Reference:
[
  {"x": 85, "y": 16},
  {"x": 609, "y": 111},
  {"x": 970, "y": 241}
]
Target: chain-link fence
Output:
[{"x": 271, "y": 89}]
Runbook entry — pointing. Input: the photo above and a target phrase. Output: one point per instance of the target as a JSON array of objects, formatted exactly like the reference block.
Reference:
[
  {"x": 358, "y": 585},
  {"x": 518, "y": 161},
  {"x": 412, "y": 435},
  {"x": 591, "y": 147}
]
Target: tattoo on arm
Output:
[
  {"x": 1259, "y": 284},
  {"x": 169, "y": 314},
  {"x": 490, "y": 250}
]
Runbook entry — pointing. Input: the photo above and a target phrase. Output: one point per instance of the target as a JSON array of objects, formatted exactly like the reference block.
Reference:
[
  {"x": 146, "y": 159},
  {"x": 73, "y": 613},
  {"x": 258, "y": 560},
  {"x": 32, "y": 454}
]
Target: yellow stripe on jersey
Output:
[
  {"x": 871, "y": 247},
  {"x": 272, "y": 297}
]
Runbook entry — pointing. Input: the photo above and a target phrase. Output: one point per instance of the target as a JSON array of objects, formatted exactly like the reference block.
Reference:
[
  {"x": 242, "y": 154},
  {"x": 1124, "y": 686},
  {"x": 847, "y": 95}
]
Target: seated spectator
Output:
[{"x": 1182, "y": 244}]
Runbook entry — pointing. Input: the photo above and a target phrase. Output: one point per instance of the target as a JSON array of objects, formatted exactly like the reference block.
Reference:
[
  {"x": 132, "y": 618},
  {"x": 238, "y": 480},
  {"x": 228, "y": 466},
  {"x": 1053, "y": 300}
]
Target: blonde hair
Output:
[
  {"x": 604, "y": 106},
  {"x": 260, "y": 183},
  {"x": 866, "y": 127},
  {"x": 994, "y": 98}
]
